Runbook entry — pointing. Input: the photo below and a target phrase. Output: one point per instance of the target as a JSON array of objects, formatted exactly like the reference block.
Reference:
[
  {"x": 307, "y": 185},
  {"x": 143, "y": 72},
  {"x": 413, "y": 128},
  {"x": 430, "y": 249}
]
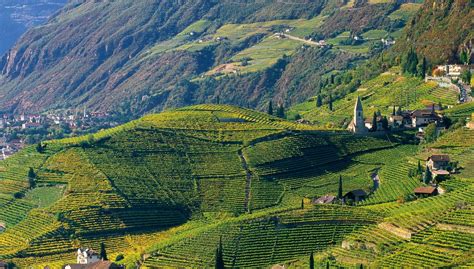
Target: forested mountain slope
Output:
[
  {"x": 100, "y": 54},
  {"x": 440, "y": 31}
]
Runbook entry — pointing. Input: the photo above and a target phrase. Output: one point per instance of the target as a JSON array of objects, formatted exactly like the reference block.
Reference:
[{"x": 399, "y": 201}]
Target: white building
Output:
[
  {"x": 87, "y": 256},
  {"x": 357, "y": 124}
]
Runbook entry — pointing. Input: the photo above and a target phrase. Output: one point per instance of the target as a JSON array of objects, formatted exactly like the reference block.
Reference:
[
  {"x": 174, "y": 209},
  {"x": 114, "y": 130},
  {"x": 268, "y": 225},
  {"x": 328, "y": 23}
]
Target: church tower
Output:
[{"x": 357, "y": 125}]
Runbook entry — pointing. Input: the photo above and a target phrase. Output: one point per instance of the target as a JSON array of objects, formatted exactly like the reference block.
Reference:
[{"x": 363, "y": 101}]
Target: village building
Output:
[
  {"x": 423, "y": 117},
  {"x": 357, "y": 125},
  {"x": 3, "y": 227},
  {"x": 87, "y": 256},
  {"x": 95, "y": 265},
  {"x": 438, "y": 162},
  {"x": 451, "y": 70},
  {"x": 370, "y": 125},
  {"x": 30, "y": 125},
  {"x": 326, "y": 199},
  {"x": 426, "y": 191},
  {"x": 3, "y": 265},
  {"x": 355, "y": 195}
]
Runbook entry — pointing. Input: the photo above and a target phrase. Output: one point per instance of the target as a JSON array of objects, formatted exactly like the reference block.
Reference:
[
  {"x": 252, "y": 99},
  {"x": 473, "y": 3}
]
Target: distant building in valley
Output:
[
  {"x": 3, "y": 265},
  {"x": 357, "y": 125}
]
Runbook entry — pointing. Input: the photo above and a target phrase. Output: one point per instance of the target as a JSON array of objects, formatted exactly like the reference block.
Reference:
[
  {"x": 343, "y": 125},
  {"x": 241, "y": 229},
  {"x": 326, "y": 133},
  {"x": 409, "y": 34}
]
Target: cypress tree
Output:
[
  {"x": 220, "y": 256},
  {"x": 374, "y": 122},
  {"x": 31, "y": 178},
  {"x": 339, "y": 191},
  {"x": 281, "y": 111},
  {"x": 302, "y": 203},
  {"x": 270, "y": 108},
  {"x": 394, "y": 112},
  {"x": 330, "y": 102},
  {"x": 419, "y": 170},
  {"x": 421, "y": 68},
  {"x": 103, "y": 252},
  {"x": 311, "y": 261},
  {"x": 319, "y": 102},
  {"x": 428, "y": 176}
]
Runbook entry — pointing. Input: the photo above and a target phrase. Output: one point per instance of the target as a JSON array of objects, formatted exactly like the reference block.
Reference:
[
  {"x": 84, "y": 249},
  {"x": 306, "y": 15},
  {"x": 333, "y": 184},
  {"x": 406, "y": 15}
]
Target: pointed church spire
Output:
[{"x": 358, "y": 105}]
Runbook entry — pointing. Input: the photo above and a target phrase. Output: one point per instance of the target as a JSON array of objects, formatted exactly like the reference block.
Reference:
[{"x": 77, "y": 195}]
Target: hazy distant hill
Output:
[{"x": 17, "y": 16}]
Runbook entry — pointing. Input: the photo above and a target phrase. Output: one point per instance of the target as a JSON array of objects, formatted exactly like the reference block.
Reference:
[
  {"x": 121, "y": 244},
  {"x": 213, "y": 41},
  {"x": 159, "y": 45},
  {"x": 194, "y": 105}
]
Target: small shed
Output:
[
  {"x": 426, "y": 191},
  {"x": 356, "y": 195},
  {"x": 3, "y": 265}
]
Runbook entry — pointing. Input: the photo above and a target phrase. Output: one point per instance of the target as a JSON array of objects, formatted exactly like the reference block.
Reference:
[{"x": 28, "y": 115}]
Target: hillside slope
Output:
[
  {"x": 170, "y": 183},
  {"x": 440, "y": 31},
  {"x": 100, "y": 55}
]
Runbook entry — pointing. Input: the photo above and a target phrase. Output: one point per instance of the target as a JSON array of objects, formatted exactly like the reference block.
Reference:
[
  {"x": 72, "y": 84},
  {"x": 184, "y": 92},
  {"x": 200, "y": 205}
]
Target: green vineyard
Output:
[{"x": 164, "y": 190}]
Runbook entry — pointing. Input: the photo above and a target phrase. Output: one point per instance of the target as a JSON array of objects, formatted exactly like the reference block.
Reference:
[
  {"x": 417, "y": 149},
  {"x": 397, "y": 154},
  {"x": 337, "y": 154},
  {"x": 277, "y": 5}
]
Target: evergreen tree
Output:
[
  {"x": 270, "y": 108},
  {"x": 339, "y": 190},
  {"x": 385, "y": 123},
  {"x": 302, "y": 203},
  {"x": 410, "y": 62},
  {"x": 319, "y": 101},
  {"x": 31, "y": 178},
  {"x": 220, "y": 256},
  {"x": 374, "y": 122},
  {"x": 281, "y": 111},
  {"x": 330, "y": 102},
  {"x": 466, "y": 76},
  {"x": 311, "y": 261},
  {"x": 327, "y": 265},
  {"x": 421, "y": 68},
  {"x": 394, "y": 112},
  {"x": 463, "y": 56},
  {"x": 103, "y": 252},
  {"x": 428, "y": 176},
  {"x": 39, "y": 148},
  {"x": 419, "y": 170},
  {"x": 440, "y": 105}
]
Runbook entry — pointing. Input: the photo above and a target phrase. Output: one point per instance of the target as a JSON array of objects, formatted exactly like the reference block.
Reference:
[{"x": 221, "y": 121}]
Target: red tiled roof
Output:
[{"x": 425, "y": 190}]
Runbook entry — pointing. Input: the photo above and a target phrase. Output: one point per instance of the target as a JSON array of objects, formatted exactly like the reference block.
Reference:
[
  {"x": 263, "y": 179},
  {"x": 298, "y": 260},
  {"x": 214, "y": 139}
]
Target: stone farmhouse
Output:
[{"x": 438, "y": 162}]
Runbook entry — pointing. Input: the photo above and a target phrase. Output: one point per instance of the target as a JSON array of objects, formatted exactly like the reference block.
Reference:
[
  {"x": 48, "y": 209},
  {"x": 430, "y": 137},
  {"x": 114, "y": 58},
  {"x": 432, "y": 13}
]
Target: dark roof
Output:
[
  {"x": 425, "y": 190},
  {"x": 3, "y": 263},
  {"x": 357, "y": 192},
  {"x": 358, "y": 105},
  {"x": 426, "y": 113},
  {"x": 439, "y": 158}
]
